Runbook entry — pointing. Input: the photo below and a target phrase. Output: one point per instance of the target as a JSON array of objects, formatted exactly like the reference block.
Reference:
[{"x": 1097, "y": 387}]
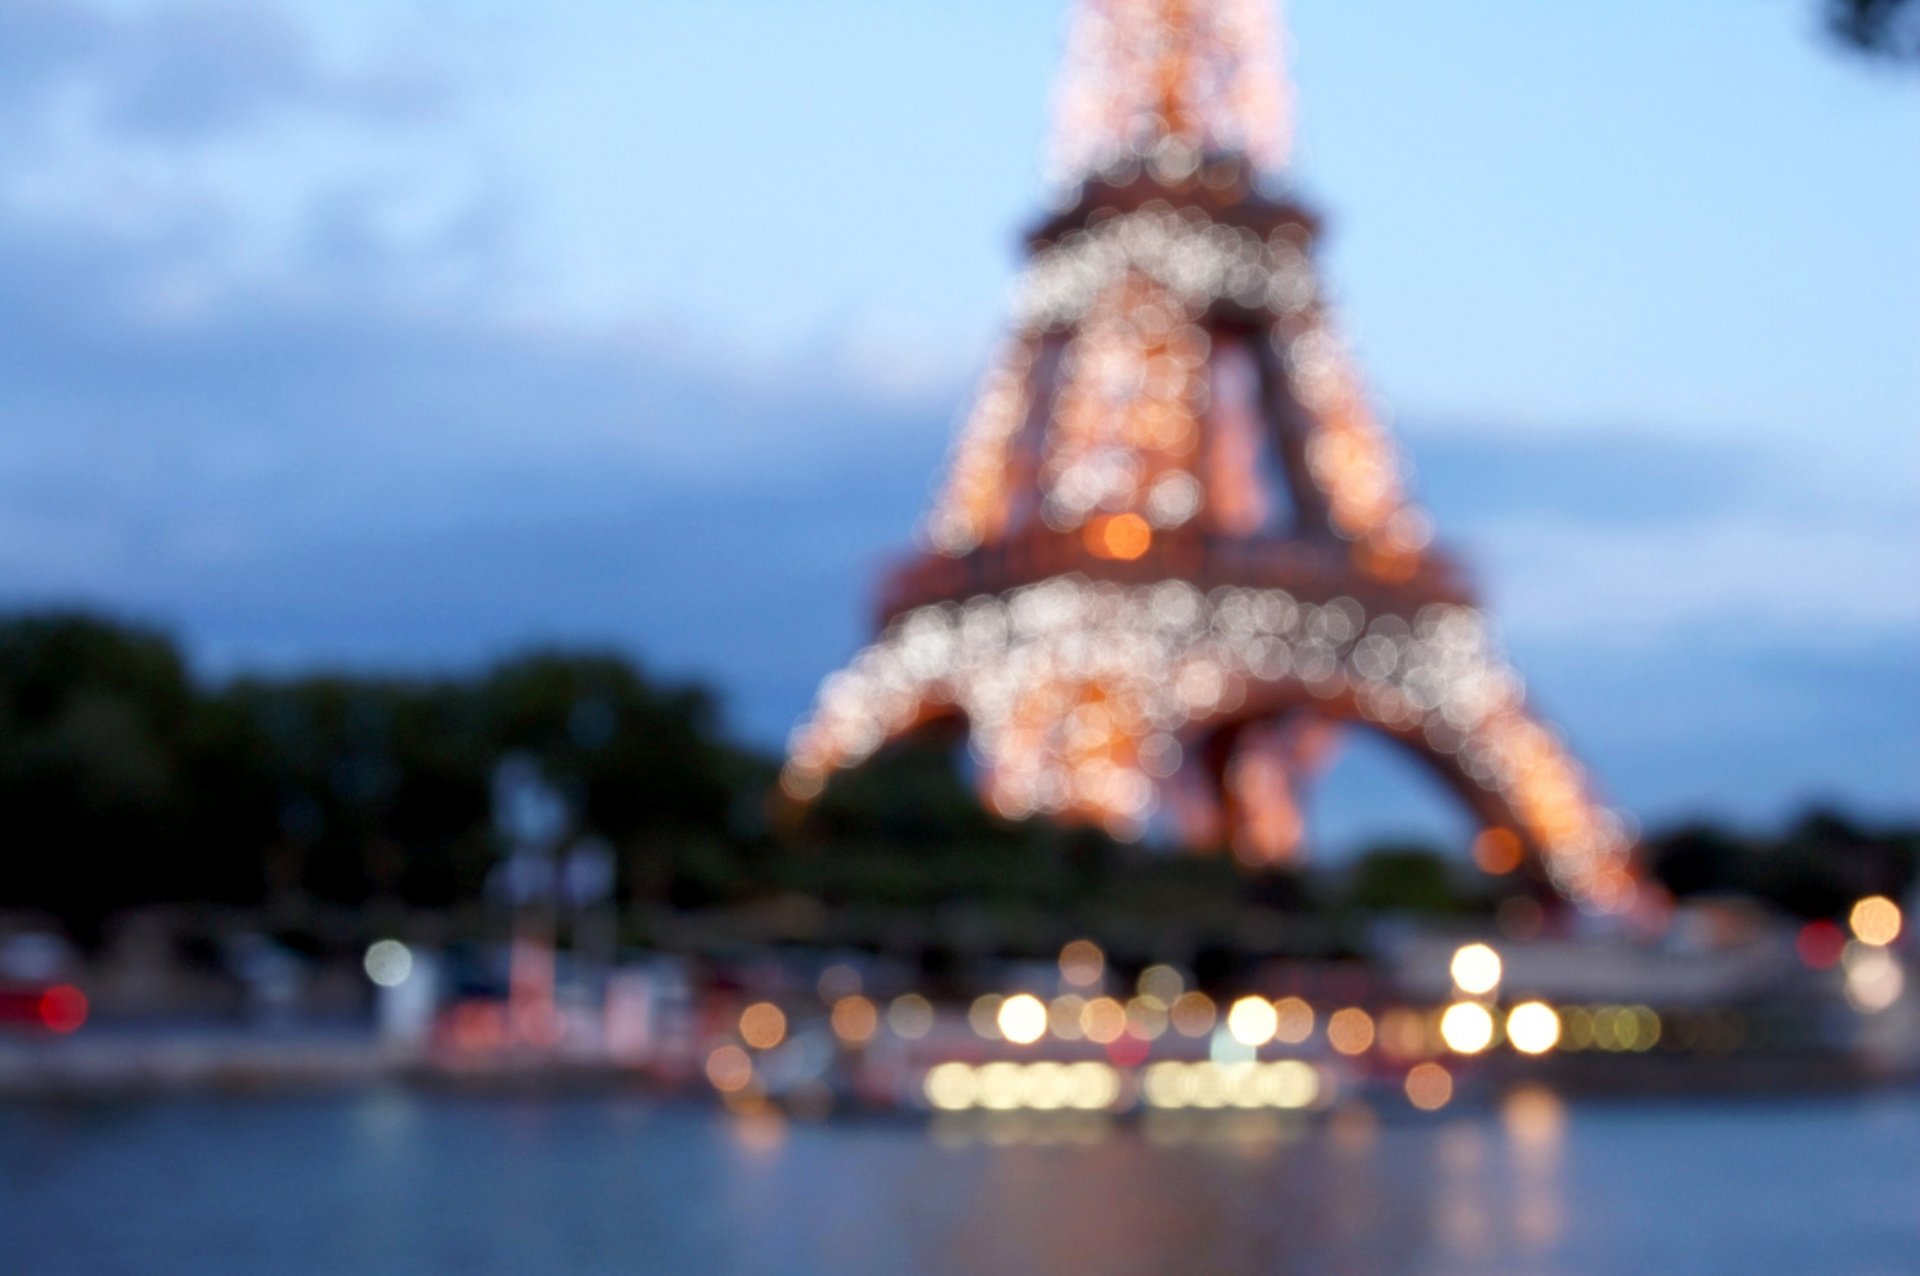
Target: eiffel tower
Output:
[{"x": 1175, "y": 553}]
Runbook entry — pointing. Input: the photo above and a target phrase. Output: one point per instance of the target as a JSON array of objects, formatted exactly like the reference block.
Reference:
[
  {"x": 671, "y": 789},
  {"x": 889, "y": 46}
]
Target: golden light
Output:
[
  {"x": 1082, "y": 963},
  {"x": 1475, "y": 969},
  {"x": 1120, "y": 536},
  {"x": 855, "y": 1019},
  {"x": 1467, "y": 1028},
  {"x": 1022, "y": 1019},
  {"x": 910, "y": 1016},
  {"x": 1046, "y": 1085},
  {"x": 1533, "y": 1027},
  {"x": 1251, "y": 1021},
  {"x": 1091, "y": 1085},
  {"x": 1002, "y": 1085},
  {"x": 729, "y": 1069},
  {"x": 1875, "y": 920},
  {"x": 1497, "y": 851},
  {"x": 1429, "y": 1087},
  {"x": 1350, "y": 1031},
  {"x": 1103, "y": 1020},
  {"x": 1193, "y": 1014},
  {"x": 951, "y": 1087},
  {"x": 1293, "y": 1021},
  {"x": 763, "y": 1025},
  {"x": 1291, "y": 1083}
]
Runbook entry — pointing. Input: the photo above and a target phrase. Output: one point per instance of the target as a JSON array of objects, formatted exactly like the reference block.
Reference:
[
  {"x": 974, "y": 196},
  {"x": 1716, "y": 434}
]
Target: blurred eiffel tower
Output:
[{"x": 1175, "y": 554}]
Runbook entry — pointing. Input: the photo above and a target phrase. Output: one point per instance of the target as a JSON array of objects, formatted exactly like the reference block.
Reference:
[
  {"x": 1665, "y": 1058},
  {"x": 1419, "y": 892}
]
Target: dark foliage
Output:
[
  {"x": 1885, "y": 28},
  {"x": 122, "y": 783}
]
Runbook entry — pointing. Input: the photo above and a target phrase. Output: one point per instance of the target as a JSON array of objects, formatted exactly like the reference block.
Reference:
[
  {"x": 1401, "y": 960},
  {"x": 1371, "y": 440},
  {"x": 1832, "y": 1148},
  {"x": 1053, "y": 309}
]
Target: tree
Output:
[{"x": 1884, "y": 28}]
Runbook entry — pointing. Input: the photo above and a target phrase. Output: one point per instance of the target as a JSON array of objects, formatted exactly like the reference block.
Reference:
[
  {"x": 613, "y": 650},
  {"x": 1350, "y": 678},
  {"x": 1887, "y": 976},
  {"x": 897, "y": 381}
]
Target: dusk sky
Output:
[{"x": 404, "y": 334}]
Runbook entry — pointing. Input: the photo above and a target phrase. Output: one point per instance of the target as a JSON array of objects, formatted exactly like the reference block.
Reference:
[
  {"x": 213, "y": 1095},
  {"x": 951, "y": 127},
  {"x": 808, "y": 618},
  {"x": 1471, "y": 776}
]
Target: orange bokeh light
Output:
[
  {"x": 1497, "y": 851},
  {"x": 1121, "y": 536}
]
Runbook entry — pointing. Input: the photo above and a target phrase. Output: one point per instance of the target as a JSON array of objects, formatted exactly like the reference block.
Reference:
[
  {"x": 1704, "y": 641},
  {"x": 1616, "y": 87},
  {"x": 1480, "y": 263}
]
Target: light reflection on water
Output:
[{"x": 403, "y": 1183}]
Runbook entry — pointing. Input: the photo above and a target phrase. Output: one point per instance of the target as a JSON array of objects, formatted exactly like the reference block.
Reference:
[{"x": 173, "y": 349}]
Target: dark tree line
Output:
[
  {"x": 1885, "y": 28},
  {"x": 124, "y": 782}
]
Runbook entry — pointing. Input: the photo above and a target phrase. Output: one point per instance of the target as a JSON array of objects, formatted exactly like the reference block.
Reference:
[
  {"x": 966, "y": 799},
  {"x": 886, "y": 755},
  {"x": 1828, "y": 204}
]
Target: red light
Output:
[
  {"x": 63, "y": 1008},
  {"x": 1127, "y": 1050},
  {"x": 1820, "y": 944}
]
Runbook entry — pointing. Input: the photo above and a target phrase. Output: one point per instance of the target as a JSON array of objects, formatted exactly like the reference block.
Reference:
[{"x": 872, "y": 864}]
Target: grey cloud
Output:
[{"x": 181, "y": 71}]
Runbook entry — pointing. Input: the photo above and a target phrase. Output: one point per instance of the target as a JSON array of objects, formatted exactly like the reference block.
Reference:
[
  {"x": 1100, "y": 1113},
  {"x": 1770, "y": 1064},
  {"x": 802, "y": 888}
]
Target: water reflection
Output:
[{"x": 405, "y": 1183}]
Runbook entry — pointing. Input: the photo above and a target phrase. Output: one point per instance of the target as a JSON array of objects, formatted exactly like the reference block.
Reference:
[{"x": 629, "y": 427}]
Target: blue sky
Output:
[{"x": 401, "y": 334}]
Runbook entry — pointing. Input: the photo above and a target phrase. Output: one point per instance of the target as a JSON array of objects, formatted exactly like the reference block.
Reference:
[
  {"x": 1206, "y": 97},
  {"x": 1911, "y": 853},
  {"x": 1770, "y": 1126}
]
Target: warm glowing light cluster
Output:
[
  {"x": 1005, "y": 1086},
  {"x": 1175, "y": 399},
  {"x": 1284, "y": 1083},
  {"x": 1078, "y": 692},
  {"x": 1131, "y": 425},
  {"x": 1167, "y": 84}
]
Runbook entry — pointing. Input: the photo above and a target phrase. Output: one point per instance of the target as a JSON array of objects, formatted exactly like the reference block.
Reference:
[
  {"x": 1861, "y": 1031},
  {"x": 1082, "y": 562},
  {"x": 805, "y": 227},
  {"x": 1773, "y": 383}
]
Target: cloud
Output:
[
  {"x": 1734, "y": 579},
  {"x": 186, "y": 70}
]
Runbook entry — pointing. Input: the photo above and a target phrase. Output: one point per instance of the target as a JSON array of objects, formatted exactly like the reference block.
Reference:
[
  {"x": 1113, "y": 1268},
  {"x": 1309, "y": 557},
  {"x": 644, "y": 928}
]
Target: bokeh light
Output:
[
  {"x": 1350, "y": 1030},
  {"x": 1874, "y": 979},
  {"x": 763, "y": 1025},
  {"x": 1497, "y": 851},
  {"x": 1476, "y": 969},
  {"x": 1293, "y": 1021},
  {"x": 1429, "y": 1087},
  {"x": 855, "y": 1019},
  {"x": 1022, "y": 1019},
  {"x": 1251, "y": 1021},
  {"x": 1875, "y": 920},
  {"x": 1064, "y": 1017},
  {"x": 388, "y": 962},
  {"x": 910, "y": 1016},
  {"x": 1082, "y": 963},
  {"x": 729, "y": 1069},
  {"x": 1193, "y": 1014},
  {"x": 1533, "y": 1027},
  {"x": 1466, "y": 1027},
  {"x": 1103, "y": 1020}
]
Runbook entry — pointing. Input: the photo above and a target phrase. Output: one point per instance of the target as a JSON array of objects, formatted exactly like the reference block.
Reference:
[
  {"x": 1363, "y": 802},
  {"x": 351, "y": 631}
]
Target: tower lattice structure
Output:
[{"x": 1175, "y": 553}]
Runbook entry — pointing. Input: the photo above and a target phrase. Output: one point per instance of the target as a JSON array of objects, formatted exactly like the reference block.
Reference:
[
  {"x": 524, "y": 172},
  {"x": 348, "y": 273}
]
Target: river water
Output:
[{"x": 399, "y": 1182}]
